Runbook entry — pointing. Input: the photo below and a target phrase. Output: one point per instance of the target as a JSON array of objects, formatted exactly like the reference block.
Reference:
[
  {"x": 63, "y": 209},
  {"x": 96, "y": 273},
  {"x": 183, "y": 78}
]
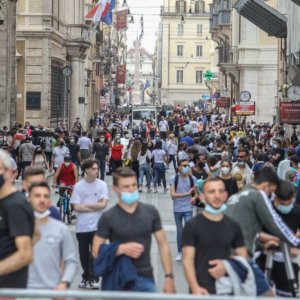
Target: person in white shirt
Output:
[
  {"x": 85, "y": 145},
  {"x": 163, "y": 128},
  {"x": 58, "y": 155},
  {"x": 89, "y": 198},
  {"x": 194, "y": 125}
]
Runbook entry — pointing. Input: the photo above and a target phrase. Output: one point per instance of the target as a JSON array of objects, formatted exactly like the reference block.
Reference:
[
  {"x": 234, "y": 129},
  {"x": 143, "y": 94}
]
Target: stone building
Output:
[{"x": 7, "y": 62}]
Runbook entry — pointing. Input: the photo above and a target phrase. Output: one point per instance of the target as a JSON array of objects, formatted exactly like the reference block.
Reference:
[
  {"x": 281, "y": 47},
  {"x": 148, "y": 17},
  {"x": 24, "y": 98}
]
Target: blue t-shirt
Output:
[
  {"x": 188, "y": 140},
  {"x": 184, "y": 185}
]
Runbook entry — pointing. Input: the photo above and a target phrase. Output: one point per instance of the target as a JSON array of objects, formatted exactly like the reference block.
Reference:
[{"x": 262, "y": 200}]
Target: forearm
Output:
[
  {"x": 175, "y": 195},
  {"x": 190, "y": 274},
  {"x": 166, "y": 258},
  {"x": 70, "y": 268},
  {"x": 15, "y": 262}
]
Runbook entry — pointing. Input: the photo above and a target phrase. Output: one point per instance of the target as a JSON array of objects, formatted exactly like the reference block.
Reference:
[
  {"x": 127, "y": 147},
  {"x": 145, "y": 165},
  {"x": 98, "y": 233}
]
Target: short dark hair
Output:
[
  {"x": 123, "y": 172},
  {"x": 88, "y": 163},
  {"x": 211, "y": 179},
  {"x": 38, "y": 184},
  {"x": 33, "y": 171},
  {"x": 260, "y": 156},
  {"x": 285, "y": 190},
  {"x": 266, "y": 174},
  {"x": 181, "y": 161}
]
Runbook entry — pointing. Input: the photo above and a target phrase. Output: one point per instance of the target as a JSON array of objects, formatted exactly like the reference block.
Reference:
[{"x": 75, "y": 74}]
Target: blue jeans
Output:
[
  {"x": 159, "y": 172},
  {"x": 102, "y": 165},
  {"x": 179, "y": 217},
  {"x": 143, "y": 284},
  {"x": 144, "y": 169},
  {"x": 173, "y": 159}
]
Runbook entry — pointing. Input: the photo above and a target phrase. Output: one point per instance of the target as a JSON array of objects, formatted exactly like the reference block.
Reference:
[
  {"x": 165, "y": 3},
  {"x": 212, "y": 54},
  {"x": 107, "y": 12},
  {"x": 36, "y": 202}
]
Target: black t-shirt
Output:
[
  {"x": 74, "y": 149},
  {"x": 101, "y": 151},
  {"x": 16, "y": 219},
  {"x": 171, "y": 125},
  {"x": 279, "y": 151},
  {"x": 211, "y": 240},
  {"x": 119, "y": 226}
]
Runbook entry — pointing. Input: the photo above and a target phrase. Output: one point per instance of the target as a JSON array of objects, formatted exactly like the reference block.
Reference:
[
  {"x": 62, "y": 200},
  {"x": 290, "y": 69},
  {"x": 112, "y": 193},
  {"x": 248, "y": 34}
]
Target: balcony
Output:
[
  {"x": 220, "y": 14},
  {"x": 228, "y": 55},
  {"x": 164, "y": 12}
]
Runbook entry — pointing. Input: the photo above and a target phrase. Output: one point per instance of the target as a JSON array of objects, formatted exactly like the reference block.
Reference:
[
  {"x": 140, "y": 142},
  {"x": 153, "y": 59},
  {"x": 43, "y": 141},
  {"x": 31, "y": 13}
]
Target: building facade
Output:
[{"x": 186, "y": 51}]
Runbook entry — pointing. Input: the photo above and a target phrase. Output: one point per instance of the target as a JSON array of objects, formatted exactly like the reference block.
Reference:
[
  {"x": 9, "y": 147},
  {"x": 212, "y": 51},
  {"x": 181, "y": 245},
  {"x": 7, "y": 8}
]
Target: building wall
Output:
[{"x": 189, "y": 91}]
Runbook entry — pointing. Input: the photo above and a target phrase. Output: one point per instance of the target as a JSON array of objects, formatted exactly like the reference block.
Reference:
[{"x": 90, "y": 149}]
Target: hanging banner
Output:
[
  {"x": 245, "y": 108},
  {"x": 289, "y": 112},
  {"x": 122, "y": 19},
  {"x": 223, "y": 102},
  {"x": 121, "y": 74}
]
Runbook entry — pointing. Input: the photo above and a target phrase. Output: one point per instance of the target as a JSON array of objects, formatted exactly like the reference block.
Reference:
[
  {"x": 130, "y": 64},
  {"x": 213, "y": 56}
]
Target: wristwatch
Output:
[{"x": 169, "y": 275}]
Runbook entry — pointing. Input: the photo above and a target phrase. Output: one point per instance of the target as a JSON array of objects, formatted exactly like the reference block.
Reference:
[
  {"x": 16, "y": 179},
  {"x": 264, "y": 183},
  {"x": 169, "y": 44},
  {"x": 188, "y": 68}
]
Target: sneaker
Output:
[
  {"x": 166, "y": 189},
  {"x": 155, "y": 190},
  {"x": 83, "y": 284},
  {"x": 94, "y": 285},
  {"x": 149, "y": 190},
  {"x": 179, "y": 257},
  {"x": 140, "y": 190}
]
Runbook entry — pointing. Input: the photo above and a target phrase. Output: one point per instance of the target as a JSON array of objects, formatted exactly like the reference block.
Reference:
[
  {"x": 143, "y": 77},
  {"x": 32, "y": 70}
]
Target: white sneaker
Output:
[
  {"x": 94, "y": 285},
  {"x": 179, "y": 257}
]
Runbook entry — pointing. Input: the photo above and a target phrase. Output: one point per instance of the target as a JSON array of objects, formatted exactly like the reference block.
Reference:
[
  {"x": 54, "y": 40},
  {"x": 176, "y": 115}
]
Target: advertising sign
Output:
[
  {"x": 121, "y": 74},
  {"x": 223, "y": 102},
  {"x": 245, "y": 108},
  {"x": 289, "y": 112}
]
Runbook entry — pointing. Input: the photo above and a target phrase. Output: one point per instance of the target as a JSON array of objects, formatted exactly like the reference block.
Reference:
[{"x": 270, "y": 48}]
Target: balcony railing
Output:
[{"x": 220, "y": 14}]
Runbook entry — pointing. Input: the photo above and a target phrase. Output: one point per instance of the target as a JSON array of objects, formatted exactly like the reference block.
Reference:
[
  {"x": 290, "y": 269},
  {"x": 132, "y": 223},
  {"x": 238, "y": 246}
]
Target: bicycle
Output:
[{"x": 64, "y": 203}]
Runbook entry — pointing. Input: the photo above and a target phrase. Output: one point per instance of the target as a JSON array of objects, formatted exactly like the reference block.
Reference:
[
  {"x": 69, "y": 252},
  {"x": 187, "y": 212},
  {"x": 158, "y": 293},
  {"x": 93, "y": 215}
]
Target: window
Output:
[
  {"x": 179, "y": 78},
  {"x": 199, "y": 50},
  {"x": 181, "y": 6},
  {"x": 179, "y": 50},
  {"x": 199, "y": 7},
  {"x": 199, "y": 29},
  {"x": 180, "y": 29},
  {"x": 199, "y": 76}
]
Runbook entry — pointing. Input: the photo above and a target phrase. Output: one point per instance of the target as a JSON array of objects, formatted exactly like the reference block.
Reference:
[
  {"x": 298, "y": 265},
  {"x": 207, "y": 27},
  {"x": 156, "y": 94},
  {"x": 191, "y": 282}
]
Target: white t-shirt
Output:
[
  {"x": 60, "y": 153},
  {"x": 84, "y": 143},
  {"x": 194, "y": 125},
  {"x": 163, "y": 125},
  {"x": 88, "y": 193}
]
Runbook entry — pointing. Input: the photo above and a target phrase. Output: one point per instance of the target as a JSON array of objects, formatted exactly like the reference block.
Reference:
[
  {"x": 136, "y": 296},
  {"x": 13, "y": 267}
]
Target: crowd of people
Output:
[{"x": 235, "y": 190}]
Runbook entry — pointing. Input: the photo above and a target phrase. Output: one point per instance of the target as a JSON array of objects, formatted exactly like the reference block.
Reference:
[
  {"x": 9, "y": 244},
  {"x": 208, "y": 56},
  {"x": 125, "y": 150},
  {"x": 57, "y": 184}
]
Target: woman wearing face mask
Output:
[
  {"x": 39, "y": 159},
  {"x": 225, "y": 175}
]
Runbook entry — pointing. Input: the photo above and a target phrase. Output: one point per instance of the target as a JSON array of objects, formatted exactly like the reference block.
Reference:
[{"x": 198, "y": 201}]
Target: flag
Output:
[
  {"x": 122, "y": 19},
  {"x": 99, "y": 11},
  {"x": 109, "y": 18},
  {"x": 147, "y": 85}
]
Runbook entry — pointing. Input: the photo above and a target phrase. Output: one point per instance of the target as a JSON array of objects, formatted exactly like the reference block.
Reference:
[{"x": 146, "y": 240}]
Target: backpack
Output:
[{"x": 177, "y": 179}]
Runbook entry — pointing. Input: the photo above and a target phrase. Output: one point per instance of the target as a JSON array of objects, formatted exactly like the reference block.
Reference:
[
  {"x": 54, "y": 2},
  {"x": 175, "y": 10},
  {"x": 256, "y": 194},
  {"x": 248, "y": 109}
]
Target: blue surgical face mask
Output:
[
  {"x": 215, "y": 211},
  {"x": 185, "y": 170},
  {"x": 130, "y": 198},
  {"x": 285, "y": 209}
]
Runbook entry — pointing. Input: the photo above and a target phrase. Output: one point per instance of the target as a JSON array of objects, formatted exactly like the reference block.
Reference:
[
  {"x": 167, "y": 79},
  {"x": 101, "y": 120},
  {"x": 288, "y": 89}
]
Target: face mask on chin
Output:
[
  {"x": 41, "y": 215},
  {"x": 214, "y": 211}
]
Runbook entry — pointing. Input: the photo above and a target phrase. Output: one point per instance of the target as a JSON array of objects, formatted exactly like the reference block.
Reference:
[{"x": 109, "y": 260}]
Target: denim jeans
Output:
[
  {"x": 144, "y": 169},
  {"x": 173, "y": 159},
  {"x": 159, "y": 171},
  {"x": 102, "y": 165},
  {"x": 179, "y": 217},
  {"x": 143, "y": 284}
]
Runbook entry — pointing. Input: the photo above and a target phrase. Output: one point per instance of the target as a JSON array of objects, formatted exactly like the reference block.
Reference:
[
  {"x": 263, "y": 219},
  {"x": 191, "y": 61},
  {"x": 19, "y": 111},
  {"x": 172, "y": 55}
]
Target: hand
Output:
[
  {"x": 199, "y": 291},
  {"x": 62, "y": 286},
  {"x": 169, "y": 286},
  {"x": 218, "y": 269},
  {"x": 54, "y": 185},
  {"x": 133, "y": 250},
  {"x": 191, "y": 191},
  {"x": 294, "y": 252},
  {"x": 271, "y": 244}
]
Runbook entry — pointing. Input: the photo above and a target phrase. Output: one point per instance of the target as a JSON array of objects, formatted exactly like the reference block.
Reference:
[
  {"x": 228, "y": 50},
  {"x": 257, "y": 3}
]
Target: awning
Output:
[
  {"x": 297, "y": 2},
  {"x": 264, "y": 16}
]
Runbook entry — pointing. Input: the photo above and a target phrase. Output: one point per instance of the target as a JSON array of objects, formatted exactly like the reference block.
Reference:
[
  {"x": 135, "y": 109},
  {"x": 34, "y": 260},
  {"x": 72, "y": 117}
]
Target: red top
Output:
[
  {"x": 67, "y": 175},
  {"x": 116, "y": 152}
]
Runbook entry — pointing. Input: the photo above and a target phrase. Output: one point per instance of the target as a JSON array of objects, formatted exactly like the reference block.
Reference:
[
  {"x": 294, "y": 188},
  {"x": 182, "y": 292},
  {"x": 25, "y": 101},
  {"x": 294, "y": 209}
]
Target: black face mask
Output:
[
  {"x": 2, "y": 181},
  {"x": 201, "y": 165}
]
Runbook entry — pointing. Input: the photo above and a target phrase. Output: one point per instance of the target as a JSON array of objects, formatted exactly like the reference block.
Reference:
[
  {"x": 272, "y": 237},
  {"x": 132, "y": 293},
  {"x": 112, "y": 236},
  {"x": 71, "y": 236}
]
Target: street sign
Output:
[{"x": 289, "y": 113}]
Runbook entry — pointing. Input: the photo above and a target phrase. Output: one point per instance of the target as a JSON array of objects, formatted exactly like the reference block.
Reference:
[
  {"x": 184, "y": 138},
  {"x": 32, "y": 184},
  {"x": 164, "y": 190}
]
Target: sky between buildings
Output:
[{"x": 150, "y": 9}]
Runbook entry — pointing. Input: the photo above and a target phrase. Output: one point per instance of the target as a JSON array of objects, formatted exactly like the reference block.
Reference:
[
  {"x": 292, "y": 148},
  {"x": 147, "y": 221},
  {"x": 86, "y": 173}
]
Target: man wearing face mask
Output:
[
  {"x": 101, "y": 151},
  {"x": 89, "y": 198},
  {"x": 253, "y": 210},
  {"x": 54, "y": 246},
  {"x": 289, "y": 211},
  {"x": 74, "y": 150},
  {"x": 132, "y": 223},
  {"x": 16, "y": 230},
  {"x": 182, "y": 191},
  {"x": 241, "y": 170},
  {"x": 210, "y": 238},
  {"x": 58, "y": 155}
]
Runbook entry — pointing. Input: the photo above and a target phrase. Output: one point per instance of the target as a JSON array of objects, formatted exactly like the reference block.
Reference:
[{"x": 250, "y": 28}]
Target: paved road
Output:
[{"x": 163, "y": 203}]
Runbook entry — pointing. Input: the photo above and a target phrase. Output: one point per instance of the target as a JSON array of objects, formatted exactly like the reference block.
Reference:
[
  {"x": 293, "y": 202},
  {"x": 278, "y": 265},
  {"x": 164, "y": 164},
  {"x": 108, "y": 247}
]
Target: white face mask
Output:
[
  {"x": 67, "y": 164},
  {"x": 41, "y": 215},
  {"x": 225, "y": 170}
]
